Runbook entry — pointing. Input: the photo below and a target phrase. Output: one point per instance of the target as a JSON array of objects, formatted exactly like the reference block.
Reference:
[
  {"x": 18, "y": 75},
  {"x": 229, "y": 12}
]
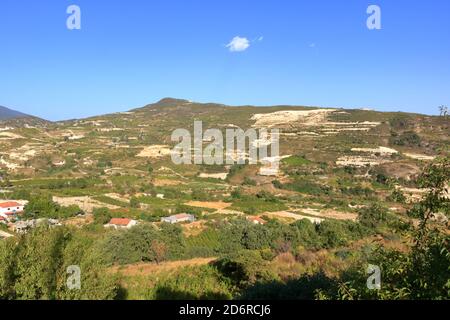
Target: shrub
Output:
[
  {"x": 408, "y": 138},
  {"x": 373, "y": 216},
  {"x": 308, "y": 187},
  {"x": 244, "y": 268},
  {"x": 307, "y": 234},
  {"x": 42, "y": 206},
  {"x": 249, "y": 182},
  {"x": 101, "y": 215},
  {"x": 277, "y": 184},
  {"x": 397, "y": 196},
  {"x": 334, "y": 233},
  {"x": 137, "y": 244},
  {"x": 192, "y": 283},
  {"x": 134, "y": 202}
]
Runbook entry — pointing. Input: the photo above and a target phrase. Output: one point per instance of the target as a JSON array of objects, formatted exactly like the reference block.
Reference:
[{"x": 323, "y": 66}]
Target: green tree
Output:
[
  {"x": 38, "y": 257},
  {"x": 158, "y": 250},
  {"x": 7, "y": 261},
  {"x": 421, "y": 273},
  {"x": 101, "y": 215},
  {"x": 373, "y": 216},
  {"x": 134, "y": 203},
  {"x": 35, "y": 266},
  {"x": 245, "y": 267}
]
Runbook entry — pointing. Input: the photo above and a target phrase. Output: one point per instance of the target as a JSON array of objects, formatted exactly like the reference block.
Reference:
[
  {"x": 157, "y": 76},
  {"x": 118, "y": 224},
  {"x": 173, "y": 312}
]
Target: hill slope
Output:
[
  {"x": 16, "y": 119},
  {"x": 6, "y": 114},
  {"x": 128, "y": 140}
]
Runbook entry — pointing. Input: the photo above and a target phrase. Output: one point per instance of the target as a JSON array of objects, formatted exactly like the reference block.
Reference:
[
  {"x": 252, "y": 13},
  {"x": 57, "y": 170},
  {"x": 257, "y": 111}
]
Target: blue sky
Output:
[{"x": 130, "y": 53}]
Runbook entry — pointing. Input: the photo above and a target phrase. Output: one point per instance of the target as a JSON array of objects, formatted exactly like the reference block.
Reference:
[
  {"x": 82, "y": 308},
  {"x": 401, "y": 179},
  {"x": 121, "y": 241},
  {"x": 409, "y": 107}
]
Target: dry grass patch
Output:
[
  {"x": 166, "y": 182},
  {"x": 218, "y": 205},
  {"x": 152, "y": 268},
  {"x": 155, "y": 151}
]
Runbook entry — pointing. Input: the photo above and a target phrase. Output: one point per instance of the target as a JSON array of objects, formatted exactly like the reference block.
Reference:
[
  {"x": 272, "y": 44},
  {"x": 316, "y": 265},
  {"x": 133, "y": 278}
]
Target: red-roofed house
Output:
[
  {"x": 256, "y": 220},
  {"x": 121, "y": 223},
  {"x": 9, "y": 209}
]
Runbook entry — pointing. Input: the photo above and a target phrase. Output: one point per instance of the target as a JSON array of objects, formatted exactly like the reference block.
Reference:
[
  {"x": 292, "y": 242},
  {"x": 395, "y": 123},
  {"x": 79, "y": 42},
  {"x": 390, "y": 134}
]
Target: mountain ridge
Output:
[
  {"x": 168, "y": 102},
  {"x": 16, "y": 118},
  {"x": 7, "y": 113}
]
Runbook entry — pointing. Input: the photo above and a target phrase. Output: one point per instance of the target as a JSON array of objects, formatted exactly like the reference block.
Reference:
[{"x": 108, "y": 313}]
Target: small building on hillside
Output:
[
  {"x": 256, "y": 220},
  {"x": 10, "y": 209},
  {"x": 121, "y": 223},
  {"x": 177, "y": 218}
]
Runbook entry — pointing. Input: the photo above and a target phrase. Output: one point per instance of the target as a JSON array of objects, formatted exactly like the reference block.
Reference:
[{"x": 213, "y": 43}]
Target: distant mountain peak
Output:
[
  {"x": 172, "y": 101},
  {"x": 18, "y": 119},
  {"x": 7, "y": 114}
]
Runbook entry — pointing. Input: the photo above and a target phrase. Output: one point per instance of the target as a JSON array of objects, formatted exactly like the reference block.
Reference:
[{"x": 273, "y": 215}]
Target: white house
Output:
[
  {"x": 121, "y": 223},
  {"x": 9, "y": 209},
  {"x": 182, "y": 217}
]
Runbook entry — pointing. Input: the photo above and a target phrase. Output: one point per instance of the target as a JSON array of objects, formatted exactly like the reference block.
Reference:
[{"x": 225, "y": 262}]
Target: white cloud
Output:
[
  {"x": 312, "y": 45},
  {"x": 238, "y": 44},
  {"x": 261, "y": 38}
]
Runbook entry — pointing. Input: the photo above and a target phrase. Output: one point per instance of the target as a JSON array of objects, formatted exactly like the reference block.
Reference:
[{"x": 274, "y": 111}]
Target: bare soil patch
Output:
[
  {"x": 291, "y": 215},
  {"x": 86, "y": 203},
  {"x": 419, "y": 156},
  {"x": 305, "y": 117},
  {"x": 218, "y": 205},
  {"x": 166, "y": 182},
  {"x": 193, "y": 228},
  {"x": 331, "y": 214},
  {"x": 154, "y": 151}
]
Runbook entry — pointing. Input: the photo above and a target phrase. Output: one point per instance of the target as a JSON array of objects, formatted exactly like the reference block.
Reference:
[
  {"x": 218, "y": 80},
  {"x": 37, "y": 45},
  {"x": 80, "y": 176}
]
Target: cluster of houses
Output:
[{"x": 10, "y": 212}]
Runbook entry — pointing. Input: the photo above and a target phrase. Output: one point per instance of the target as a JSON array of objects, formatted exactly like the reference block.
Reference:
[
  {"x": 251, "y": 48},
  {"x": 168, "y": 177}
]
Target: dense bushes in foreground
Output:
[
  {"x": 143, "y": 243},
  {"x": 35, "y": 267},
  {"x": 42, "y": 206}
]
